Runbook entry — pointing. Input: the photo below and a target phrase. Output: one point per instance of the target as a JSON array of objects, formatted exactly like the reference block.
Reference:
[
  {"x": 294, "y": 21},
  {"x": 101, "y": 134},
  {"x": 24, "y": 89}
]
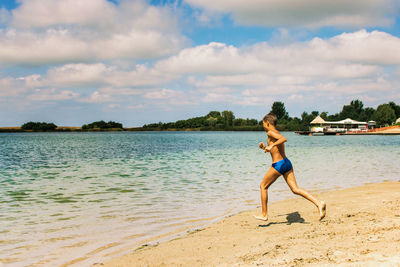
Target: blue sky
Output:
[{"x": 136, "y": 61}]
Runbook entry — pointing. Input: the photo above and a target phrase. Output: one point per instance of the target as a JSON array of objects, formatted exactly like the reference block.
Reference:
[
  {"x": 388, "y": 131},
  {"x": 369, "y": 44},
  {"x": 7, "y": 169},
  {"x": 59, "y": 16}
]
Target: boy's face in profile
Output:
[{"x": 266, "y": 125}]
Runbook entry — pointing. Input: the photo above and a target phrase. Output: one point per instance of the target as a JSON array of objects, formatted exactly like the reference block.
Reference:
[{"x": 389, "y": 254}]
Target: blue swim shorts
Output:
[{"x": 282, "y": 166}]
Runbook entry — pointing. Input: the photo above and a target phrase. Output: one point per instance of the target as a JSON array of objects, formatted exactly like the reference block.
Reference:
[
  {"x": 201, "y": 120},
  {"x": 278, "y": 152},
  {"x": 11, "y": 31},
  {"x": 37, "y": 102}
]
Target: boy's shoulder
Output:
[{"x": 274, "y": 133}]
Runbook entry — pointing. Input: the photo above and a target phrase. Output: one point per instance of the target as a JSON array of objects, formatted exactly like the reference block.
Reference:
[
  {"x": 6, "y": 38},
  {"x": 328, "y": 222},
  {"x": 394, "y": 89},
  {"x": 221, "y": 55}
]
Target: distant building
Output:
[
  {"x": 398, "y": 121},
  {"x": 319, "y": 125},
  {"x": 371, "y": 124}
]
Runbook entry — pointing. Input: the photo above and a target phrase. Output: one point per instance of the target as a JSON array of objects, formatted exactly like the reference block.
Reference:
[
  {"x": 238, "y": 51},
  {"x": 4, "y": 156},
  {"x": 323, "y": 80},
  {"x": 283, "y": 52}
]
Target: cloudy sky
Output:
[{"x": 72, "y": 62}]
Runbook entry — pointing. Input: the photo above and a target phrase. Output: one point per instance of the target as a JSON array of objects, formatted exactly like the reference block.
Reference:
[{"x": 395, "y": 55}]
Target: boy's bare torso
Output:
[{"x": 277, "y": 152}]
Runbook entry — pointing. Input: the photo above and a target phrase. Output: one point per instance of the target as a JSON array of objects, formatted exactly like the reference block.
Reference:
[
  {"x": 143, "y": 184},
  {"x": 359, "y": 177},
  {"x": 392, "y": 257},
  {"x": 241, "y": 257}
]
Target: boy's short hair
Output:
[{"x": 271, "y": 118}]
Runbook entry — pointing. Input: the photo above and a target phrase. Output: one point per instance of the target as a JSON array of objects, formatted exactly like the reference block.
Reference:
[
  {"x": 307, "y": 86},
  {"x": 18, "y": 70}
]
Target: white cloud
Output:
[
  {"x": 114, "y": 106},
  {"x": 167, "y": 98},
  {"x": 9, "y": 86},
  {"x": 121, "y": 91},
  {"x": 161, "y": 94},
  {"x": 305, "y": 13},
  {"x": 44, "y": 13},
  {"x": 346, "y": 56},
  {"x": 140, "y": 76},
  {"x": 83, "y": 75},
  {"x": 349, "y": 64},
  {"x": 139, "y": 106},
  {"x": 98, "y": 97},
  {"x": 52, "y": 94},
  {"x": 214, "y": 58},
  {"x": 78, "y": 75},
  {"x": 374, "y": 47},
  {"x": 296, "y": 97},
  {"x": 58, "y": 31},
  {"x": 223, "y": 94}
]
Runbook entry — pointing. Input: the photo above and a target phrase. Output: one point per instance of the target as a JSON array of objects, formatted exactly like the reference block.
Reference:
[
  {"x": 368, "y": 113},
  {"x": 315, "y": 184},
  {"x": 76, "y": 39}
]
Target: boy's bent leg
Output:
[
  {"x": 291, "y": 181},
  {"x": 269, "y": 179}
]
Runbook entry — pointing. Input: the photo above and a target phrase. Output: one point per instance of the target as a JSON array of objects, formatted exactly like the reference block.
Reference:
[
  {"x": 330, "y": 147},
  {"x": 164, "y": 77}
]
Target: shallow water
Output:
[{"x": 92, "y": 195}]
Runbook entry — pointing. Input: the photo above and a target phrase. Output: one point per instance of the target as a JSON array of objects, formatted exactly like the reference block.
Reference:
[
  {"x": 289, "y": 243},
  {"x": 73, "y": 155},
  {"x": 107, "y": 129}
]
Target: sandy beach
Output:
[
  {"x": 362, "y": 228},
  {"x": 392, "y": 130}
]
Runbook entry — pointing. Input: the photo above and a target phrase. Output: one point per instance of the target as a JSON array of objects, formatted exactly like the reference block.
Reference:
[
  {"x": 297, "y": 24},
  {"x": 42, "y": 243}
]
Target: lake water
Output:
[{"x": 91, "y": 196}]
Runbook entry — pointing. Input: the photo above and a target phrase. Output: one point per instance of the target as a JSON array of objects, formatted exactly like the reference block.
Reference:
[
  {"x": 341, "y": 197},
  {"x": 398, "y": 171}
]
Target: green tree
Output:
[
  {"x": 358, "y": 105},
  {"x": 278, "y": 108},
  {"x": 214, "y": 114},
  {"x": 396, "y": 108},
  {"x": 306, "y": 119},
  {"x": 180, "y": 124},
  {"x": 212, "y": 121},
  {"x": 39, "y": 126},
  {"x": 239, "y": 122},
  {"x": 352, "y": 111},
  {"x": 228, "y": 117},
  {"x": 251, "y": 122},
  {"x": 366, "y": 114},
  {"x": 324, "y": 115},
  {"x": 294, "y": 124},
  {"x": 333, "y": 117},
  {"x": 106, "y": 125},
  {"x": 348, "y": 112},
  {"x": 384, "y": 114}
]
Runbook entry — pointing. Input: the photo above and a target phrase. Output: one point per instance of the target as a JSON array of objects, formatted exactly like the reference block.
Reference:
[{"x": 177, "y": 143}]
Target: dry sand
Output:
[
  {"x": 391, "y": 131},
  {"x": 362, "y": 228}
]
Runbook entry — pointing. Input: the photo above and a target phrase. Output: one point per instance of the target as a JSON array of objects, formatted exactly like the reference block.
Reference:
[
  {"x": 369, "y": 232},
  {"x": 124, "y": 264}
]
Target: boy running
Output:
[{"x": 281, "y": 165}]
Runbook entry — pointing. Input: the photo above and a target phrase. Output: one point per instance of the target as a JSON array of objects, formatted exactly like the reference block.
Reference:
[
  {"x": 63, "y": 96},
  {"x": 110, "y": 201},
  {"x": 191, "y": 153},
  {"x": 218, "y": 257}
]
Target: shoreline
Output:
[
  {"x": 354, "y": 231},
  {"x": 393, "y": 131},
  {"x": 129, "y": 129}
]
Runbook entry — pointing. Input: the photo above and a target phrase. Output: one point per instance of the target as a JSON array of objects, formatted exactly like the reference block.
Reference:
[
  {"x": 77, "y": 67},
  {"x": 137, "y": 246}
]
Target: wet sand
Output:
[{"x": 362, "y": 228}]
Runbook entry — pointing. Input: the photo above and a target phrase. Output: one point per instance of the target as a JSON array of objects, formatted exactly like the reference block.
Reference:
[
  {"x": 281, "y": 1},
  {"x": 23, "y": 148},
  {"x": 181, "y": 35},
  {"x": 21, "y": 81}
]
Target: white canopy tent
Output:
[
  {"x": 343, "y": 125},
  {"x": 319, "y": 120}
]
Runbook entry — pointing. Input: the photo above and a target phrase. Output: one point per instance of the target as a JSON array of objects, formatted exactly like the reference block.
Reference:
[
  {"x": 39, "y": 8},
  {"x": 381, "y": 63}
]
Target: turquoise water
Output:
[{"x": 93, "y": 196}]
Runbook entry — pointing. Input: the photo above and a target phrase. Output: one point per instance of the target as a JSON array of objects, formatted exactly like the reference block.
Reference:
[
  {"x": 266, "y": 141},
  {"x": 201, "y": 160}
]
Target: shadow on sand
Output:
[{"x": 293, "y": 217}]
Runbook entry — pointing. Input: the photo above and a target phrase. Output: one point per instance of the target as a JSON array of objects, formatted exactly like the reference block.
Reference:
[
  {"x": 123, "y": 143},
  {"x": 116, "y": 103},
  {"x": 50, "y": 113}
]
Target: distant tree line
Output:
[
  {"x": 213, "y": 121},
  {"x": 102, "y": 125},
  {"x": 38, "y": 126},
  {"x": 385, "y": 114},
  {"x": 44, "y": 126}
]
